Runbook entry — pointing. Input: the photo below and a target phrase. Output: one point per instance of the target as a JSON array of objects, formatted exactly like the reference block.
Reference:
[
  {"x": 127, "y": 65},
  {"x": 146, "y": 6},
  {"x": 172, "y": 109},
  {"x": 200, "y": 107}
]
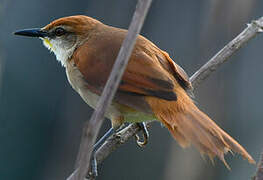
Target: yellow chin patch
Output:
[{"x": 48, "y": 44}]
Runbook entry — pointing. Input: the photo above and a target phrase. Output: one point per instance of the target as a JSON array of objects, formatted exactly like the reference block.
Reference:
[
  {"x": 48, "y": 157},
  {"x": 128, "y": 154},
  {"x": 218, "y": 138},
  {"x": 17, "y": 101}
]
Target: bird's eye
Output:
[{"x": 60, "y": 31}]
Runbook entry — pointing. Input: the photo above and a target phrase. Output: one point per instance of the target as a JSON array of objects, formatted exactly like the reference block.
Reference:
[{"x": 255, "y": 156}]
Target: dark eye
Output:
[{"x": 60, "y": 31}]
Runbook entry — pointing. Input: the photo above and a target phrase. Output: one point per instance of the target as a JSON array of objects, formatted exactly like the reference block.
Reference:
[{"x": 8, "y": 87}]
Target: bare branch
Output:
[
  {"x": 92, "y": 127},
  {"x": 259, "y": 173},
  {"x": 222, "y": 56}
]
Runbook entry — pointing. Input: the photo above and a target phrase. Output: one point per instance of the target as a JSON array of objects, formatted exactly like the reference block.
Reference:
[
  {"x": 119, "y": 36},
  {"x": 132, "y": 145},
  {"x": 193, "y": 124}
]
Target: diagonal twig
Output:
[
  {"x": 224, "y": 54},
  {"x": 259, "y": 172},
  {"x": 92, "y": 127}
]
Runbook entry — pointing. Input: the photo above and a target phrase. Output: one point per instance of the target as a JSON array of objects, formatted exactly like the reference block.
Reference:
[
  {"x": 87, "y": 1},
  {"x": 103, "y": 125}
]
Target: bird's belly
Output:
[{"x": 79, "y": 84}]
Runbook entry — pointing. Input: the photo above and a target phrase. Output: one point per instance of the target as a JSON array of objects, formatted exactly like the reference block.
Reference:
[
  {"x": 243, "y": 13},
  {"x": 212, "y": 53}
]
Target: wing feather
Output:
[{"x": 150, "y": 71}]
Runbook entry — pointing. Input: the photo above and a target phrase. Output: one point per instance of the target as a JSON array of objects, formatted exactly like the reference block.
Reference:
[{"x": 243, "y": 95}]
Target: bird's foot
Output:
[
  {"x": 145, "y": 134},
  {"x": 93, "y": 172}
]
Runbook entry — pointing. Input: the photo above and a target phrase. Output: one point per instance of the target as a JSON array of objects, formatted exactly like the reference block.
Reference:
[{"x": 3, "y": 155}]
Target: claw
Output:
[{"x": 145, "y": 135}]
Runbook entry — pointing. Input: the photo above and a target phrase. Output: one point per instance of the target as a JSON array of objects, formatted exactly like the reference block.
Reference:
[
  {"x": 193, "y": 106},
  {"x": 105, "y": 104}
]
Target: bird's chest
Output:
[{"x": 79, "y": 84}]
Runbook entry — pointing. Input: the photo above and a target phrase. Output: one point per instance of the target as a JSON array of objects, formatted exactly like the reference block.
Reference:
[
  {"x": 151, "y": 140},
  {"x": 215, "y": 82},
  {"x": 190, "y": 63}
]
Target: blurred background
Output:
[{"x": 41, "y": 117}]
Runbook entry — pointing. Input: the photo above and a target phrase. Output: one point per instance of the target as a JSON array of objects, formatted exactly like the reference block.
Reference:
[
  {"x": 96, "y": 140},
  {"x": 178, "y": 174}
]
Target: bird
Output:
[{"x": 153, "y": 86}]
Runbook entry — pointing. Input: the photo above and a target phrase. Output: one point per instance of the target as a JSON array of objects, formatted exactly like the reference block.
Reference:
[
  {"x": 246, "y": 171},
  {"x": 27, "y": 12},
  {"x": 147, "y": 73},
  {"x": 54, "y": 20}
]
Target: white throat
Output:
[{"x": 62, "y": 53}]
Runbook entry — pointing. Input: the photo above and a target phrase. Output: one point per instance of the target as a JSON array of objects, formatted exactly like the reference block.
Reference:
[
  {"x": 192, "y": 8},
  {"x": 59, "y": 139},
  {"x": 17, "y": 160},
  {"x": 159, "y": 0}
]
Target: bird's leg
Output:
[
  {"x": 116, "y": 124},
  {"x": 145, "y": 133},
  {"x": 93, "y": 164}
]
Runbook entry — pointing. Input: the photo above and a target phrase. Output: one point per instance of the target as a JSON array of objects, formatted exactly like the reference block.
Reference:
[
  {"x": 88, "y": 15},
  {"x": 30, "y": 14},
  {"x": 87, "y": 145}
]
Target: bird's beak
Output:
[{"x": 32, "y": 33}]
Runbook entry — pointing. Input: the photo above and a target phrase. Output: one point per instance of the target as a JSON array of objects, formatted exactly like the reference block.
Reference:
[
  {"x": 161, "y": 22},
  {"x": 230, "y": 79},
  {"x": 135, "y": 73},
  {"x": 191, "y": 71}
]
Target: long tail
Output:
[{"x": 189, "y": 125}]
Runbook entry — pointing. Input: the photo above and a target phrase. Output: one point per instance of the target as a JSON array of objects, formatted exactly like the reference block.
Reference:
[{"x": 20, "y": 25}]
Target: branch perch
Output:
[{"x": 196, "y": 79}]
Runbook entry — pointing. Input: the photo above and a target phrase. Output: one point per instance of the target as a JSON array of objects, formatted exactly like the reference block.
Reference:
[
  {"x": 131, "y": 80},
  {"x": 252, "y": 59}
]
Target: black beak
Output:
[{"x": 32, "y": 33}]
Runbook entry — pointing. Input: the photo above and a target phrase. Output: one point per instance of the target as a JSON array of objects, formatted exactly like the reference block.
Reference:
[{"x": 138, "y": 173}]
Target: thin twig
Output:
[
  {"x": 92, "y": 127},
  {"x": 259, "y": 173},
  {"x": 222, "y": 56}
]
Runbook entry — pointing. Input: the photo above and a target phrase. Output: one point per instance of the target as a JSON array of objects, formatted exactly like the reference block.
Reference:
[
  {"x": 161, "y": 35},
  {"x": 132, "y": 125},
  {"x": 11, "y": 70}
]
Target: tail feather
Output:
[{"x": 189, "y": 125}]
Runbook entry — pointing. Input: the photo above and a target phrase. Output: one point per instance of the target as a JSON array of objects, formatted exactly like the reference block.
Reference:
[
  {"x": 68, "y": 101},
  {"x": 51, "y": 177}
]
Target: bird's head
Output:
[{"x": 63, "y": 35}]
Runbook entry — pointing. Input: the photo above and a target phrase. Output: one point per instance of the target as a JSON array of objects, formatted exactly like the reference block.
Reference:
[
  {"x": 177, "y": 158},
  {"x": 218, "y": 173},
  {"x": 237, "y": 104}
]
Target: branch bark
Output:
[
  {"x": 196, "y": 79},
  {"x": 92, "y": 127},
  {"x": 259, "y": 173},
  {"x": 224, "y": 54}
]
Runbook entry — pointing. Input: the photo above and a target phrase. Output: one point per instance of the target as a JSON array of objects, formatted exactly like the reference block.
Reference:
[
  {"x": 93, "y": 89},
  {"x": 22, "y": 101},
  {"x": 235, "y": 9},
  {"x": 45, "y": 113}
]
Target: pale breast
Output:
[{"x": 79, "y": 84}]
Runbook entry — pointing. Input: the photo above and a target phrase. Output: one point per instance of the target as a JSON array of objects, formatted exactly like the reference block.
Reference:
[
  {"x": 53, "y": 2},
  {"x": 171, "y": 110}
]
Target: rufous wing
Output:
[
  {"x": 146, "y": 74},
  {"x": 178, "y": 72}
]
